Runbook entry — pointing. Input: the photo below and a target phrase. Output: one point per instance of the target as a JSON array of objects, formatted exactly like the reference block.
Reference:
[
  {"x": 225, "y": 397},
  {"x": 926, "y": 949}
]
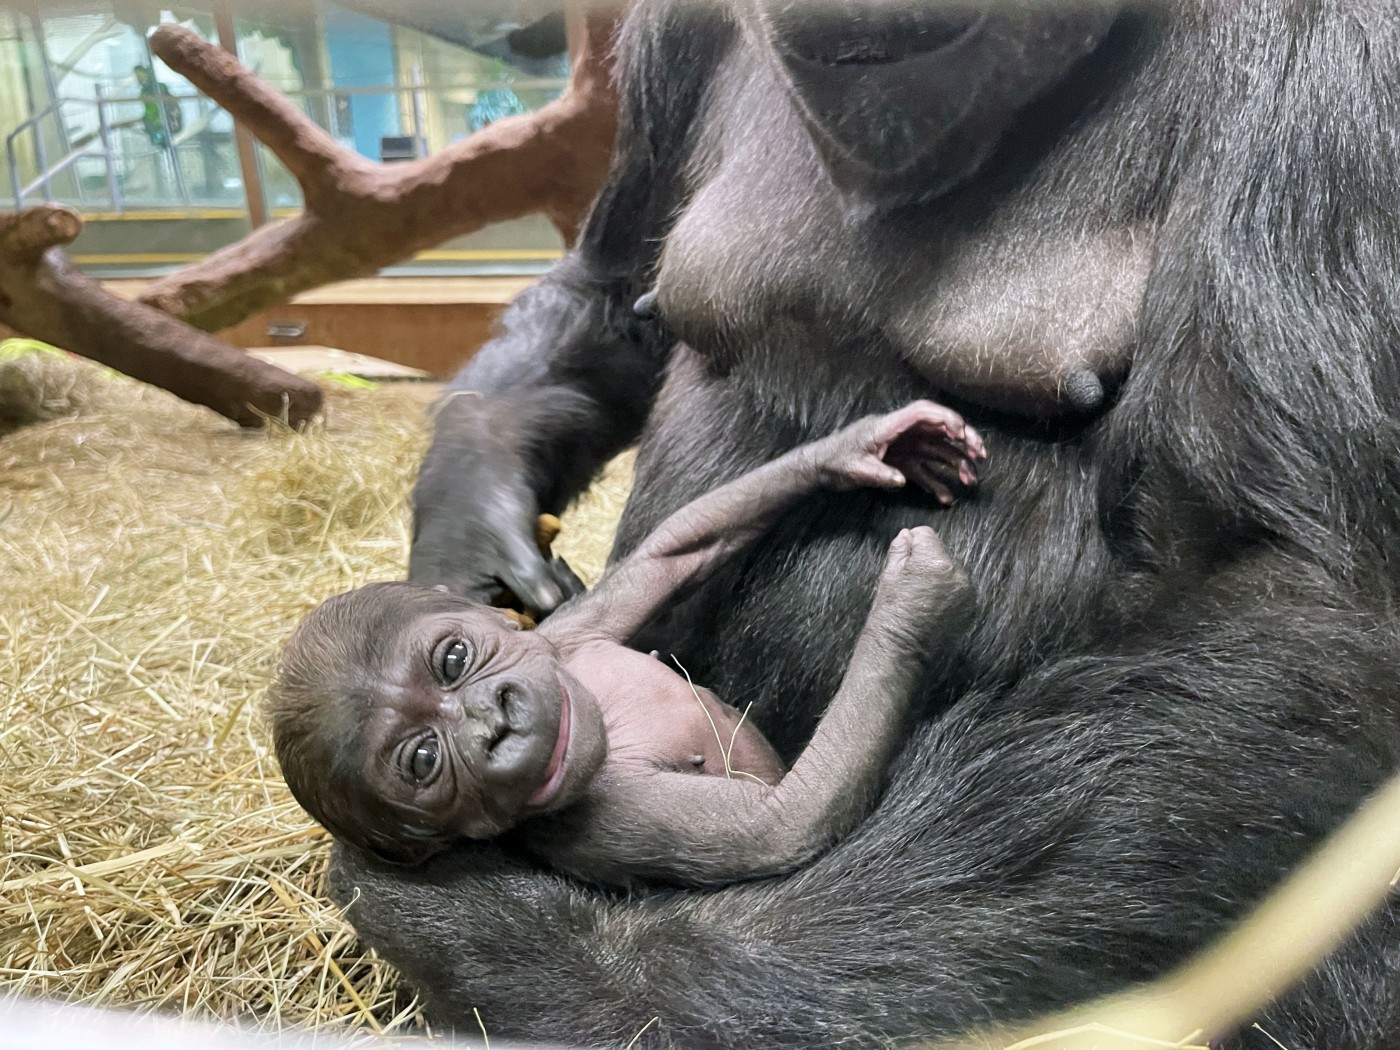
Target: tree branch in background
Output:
[
  {"x": 361, "y": 216},
  {"x": 43, "y": 296}
]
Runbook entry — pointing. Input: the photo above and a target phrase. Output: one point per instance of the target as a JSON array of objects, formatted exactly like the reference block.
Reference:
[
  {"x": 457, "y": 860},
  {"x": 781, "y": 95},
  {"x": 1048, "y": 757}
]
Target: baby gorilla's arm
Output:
[
  {"x": 709, "y": 829},
  {"x": 923, "y": 442}
]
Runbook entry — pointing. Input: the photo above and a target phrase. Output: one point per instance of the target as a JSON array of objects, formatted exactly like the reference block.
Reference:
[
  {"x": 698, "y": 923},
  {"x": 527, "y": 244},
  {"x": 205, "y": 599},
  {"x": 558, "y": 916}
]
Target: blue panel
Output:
[{"x": 361, "y": 51}]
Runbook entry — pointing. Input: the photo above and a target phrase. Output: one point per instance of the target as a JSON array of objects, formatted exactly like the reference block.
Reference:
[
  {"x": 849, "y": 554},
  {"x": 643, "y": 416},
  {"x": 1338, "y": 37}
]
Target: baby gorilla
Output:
[{"x": 406, "y": 718}]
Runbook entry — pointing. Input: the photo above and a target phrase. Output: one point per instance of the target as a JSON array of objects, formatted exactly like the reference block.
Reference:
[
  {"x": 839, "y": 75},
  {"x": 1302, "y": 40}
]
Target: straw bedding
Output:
[{"x": 153, "y": 558}]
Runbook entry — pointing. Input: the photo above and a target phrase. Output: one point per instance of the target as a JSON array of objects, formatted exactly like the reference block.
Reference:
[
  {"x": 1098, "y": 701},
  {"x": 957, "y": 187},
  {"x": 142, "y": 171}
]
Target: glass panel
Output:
[
  {"x": 118, "y": 131},
  {"x": 474, "y": 76},
  {"x": 17, "y": 100}
]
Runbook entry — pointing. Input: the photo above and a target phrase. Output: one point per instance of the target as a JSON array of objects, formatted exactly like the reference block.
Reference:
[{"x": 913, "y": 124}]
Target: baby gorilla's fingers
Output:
[
  {"x": 870, "y": 471},
  {"x": 933, "y": 465},
  {"x": 923, "y": 442},
  {"x": 922, "y": 415},
  {"x": 969, "y": 444},
  {"x": 916, "y": 568},
  {"x": 927, "y": 547},
  {"x": 976, "y": 447},
  {"x": 899, "y": 550},
  {"x": 922, "y": 595},
  {"x": 896, "y": 561},
  {"x": 919, "y": 560},
  {"x": 922, "y": 475},
  {"x": 931, "y": 419},
  {"x": 945, "y": 462}
]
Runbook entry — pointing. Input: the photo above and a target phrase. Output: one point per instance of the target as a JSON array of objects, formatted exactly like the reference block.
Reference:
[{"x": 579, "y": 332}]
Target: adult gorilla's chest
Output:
[
  {"x": 778, "y": 277},
  {"x": 804, "y": 315},
  {"x": 761, "y": 274}
]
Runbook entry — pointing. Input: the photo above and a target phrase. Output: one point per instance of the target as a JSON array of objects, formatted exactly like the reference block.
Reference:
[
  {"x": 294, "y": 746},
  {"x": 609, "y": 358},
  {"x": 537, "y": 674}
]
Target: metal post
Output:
[
  {"x": 104, "y": 130},
  {"x": 247, "y": 146},
  {"x": 420, "y": 114},
  {"x": 30, "y": 126},
  {"x": 41, "y": 154},
  {"x": 41, "y": 40},
  {"x": 12, "y": 155}
]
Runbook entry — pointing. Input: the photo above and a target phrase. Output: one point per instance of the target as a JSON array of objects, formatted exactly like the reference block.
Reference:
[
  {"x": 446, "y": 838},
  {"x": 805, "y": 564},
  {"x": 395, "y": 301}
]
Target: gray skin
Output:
[{"x": 588, "y": 751}]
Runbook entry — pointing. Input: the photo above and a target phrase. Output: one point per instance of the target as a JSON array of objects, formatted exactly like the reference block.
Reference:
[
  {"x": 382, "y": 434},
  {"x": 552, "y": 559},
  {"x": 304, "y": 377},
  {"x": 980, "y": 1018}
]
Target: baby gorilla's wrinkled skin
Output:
[{"x": 406, "y": 718}]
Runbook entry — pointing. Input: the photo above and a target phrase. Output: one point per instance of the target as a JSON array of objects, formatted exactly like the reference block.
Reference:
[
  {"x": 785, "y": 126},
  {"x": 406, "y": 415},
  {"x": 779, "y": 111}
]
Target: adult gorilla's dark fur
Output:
[{"x": 1185, "y": 670}]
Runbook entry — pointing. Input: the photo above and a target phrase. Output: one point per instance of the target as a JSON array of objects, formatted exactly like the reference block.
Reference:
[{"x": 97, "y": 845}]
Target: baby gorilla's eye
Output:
[
  {"x": 423, "y": 759},
  {"x": 454, "y": 662}
]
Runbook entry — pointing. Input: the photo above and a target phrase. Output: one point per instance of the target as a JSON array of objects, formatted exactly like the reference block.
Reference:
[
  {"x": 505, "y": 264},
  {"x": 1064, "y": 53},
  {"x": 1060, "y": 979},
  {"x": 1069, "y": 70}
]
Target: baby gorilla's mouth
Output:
[{"x": 554, "y": 772}]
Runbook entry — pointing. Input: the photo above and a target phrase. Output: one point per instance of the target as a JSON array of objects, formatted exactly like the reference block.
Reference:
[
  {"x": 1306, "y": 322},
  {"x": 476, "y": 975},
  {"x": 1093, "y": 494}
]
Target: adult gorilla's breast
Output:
[
  {"x": 757, "y": 274},
  {"x": 970, "y": 293}
]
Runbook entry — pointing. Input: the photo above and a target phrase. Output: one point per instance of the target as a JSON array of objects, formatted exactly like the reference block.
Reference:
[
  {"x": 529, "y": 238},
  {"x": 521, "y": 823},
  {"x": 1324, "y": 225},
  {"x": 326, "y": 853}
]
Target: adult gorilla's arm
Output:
[
  {"x": 522, "y": 429},
  {"x": 571, "y": 378}
]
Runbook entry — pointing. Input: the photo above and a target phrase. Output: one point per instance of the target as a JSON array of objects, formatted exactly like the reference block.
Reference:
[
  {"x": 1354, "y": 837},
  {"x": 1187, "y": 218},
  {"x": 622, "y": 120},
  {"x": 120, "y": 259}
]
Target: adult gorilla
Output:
[{"x": 1184, "y": 669}]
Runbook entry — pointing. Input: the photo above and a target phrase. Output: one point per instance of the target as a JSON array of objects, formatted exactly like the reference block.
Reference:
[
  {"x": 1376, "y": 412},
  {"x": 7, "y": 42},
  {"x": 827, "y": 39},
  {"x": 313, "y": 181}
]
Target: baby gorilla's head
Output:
[{"x": 405, "y": 718}]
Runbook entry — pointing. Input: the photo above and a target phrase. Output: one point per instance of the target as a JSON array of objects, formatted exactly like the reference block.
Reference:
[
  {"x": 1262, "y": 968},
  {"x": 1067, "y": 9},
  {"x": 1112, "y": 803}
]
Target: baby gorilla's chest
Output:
[{"x": 657, "y": 720}]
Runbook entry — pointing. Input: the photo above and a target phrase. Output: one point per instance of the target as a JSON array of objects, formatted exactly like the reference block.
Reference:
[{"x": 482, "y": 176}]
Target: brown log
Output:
[
  {"x": 361, "y": 216},
  {"x": 45, "y": 297}
]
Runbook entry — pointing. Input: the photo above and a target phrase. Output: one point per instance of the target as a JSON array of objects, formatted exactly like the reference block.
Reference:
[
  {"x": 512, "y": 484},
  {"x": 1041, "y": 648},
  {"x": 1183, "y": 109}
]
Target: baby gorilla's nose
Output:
[
  {"x": 513, "y": 738},
  {"x": 503, "y": 704}
]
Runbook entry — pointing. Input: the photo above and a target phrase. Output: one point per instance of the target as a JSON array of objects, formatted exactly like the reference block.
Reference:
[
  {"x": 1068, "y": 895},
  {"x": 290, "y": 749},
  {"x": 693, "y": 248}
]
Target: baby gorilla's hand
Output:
[
  {"x": 922, "y": 442},
  {"x": 919, "y": 587}
]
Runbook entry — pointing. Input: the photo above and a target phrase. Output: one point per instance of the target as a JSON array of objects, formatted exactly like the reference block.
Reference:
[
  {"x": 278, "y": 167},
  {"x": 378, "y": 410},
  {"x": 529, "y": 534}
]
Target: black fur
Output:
[{"x": 1185, "y": 670}]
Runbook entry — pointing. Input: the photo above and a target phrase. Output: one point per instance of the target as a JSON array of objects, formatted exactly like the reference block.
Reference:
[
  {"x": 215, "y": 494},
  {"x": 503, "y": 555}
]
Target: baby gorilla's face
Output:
[{"x": 477, "y": 727}]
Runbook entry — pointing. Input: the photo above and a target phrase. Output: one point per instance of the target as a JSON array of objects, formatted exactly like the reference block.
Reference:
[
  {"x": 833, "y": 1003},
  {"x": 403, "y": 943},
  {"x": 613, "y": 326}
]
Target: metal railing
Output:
[{"x": 48, "y": 172}]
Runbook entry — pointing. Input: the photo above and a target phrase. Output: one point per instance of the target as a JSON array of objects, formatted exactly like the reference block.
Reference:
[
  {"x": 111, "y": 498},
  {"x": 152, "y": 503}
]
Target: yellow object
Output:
[
  {"x": 13, "y": 349},
  {"x": 546, "y": 532}
]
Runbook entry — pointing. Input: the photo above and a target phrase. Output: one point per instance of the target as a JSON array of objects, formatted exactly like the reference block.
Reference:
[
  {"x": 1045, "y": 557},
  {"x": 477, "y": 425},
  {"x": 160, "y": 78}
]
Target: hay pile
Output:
[{"x": 152, "y": 560}]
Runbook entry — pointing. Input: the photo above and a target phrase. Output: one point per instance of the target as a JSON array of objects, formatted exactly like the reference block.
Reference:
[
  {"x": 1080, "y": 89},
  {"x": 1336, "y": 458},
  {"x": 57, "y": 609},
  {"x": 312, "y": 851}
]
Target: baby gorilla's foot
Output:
[
  {"x": 924, "y": 443},
  {"x": 920, "y": 586}
]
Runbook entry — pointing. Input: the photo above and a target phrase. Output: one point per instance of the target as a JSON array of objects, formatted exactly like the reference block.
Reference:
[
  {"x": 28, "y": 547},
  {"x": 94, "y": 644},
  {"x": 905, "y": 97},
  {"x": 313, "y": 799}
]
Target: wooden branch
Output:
[
  {"x": 45, "y": 297},
  {"x": 28, "y": 234},
  {"x": 361, "y": 216},
  {"x": 308, "y": 151}
]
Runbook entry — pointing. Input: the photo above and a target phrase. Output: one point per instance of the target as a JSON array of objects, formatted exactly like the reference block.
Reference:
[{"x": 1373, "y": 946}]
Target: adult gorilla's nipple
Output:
[
  {"x": 645, "y": 307},
  {"x": 1083, "y": 390}
]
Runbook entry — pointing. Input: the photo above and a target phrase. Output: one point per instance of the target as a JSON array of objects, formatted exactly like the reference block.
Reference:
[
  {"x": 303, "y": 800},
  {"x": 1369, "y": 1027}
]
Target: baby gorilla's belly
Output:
[{"x": 656, "y": 719}]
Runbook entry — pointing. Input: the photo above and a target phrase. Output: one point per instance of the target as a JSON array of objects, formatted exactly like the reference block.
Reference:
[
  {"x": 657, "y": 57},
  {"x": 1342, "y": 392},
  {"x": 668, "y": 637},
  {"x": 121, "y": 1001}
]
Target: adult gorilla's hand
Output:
[{"x": 475, "y": 517}]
